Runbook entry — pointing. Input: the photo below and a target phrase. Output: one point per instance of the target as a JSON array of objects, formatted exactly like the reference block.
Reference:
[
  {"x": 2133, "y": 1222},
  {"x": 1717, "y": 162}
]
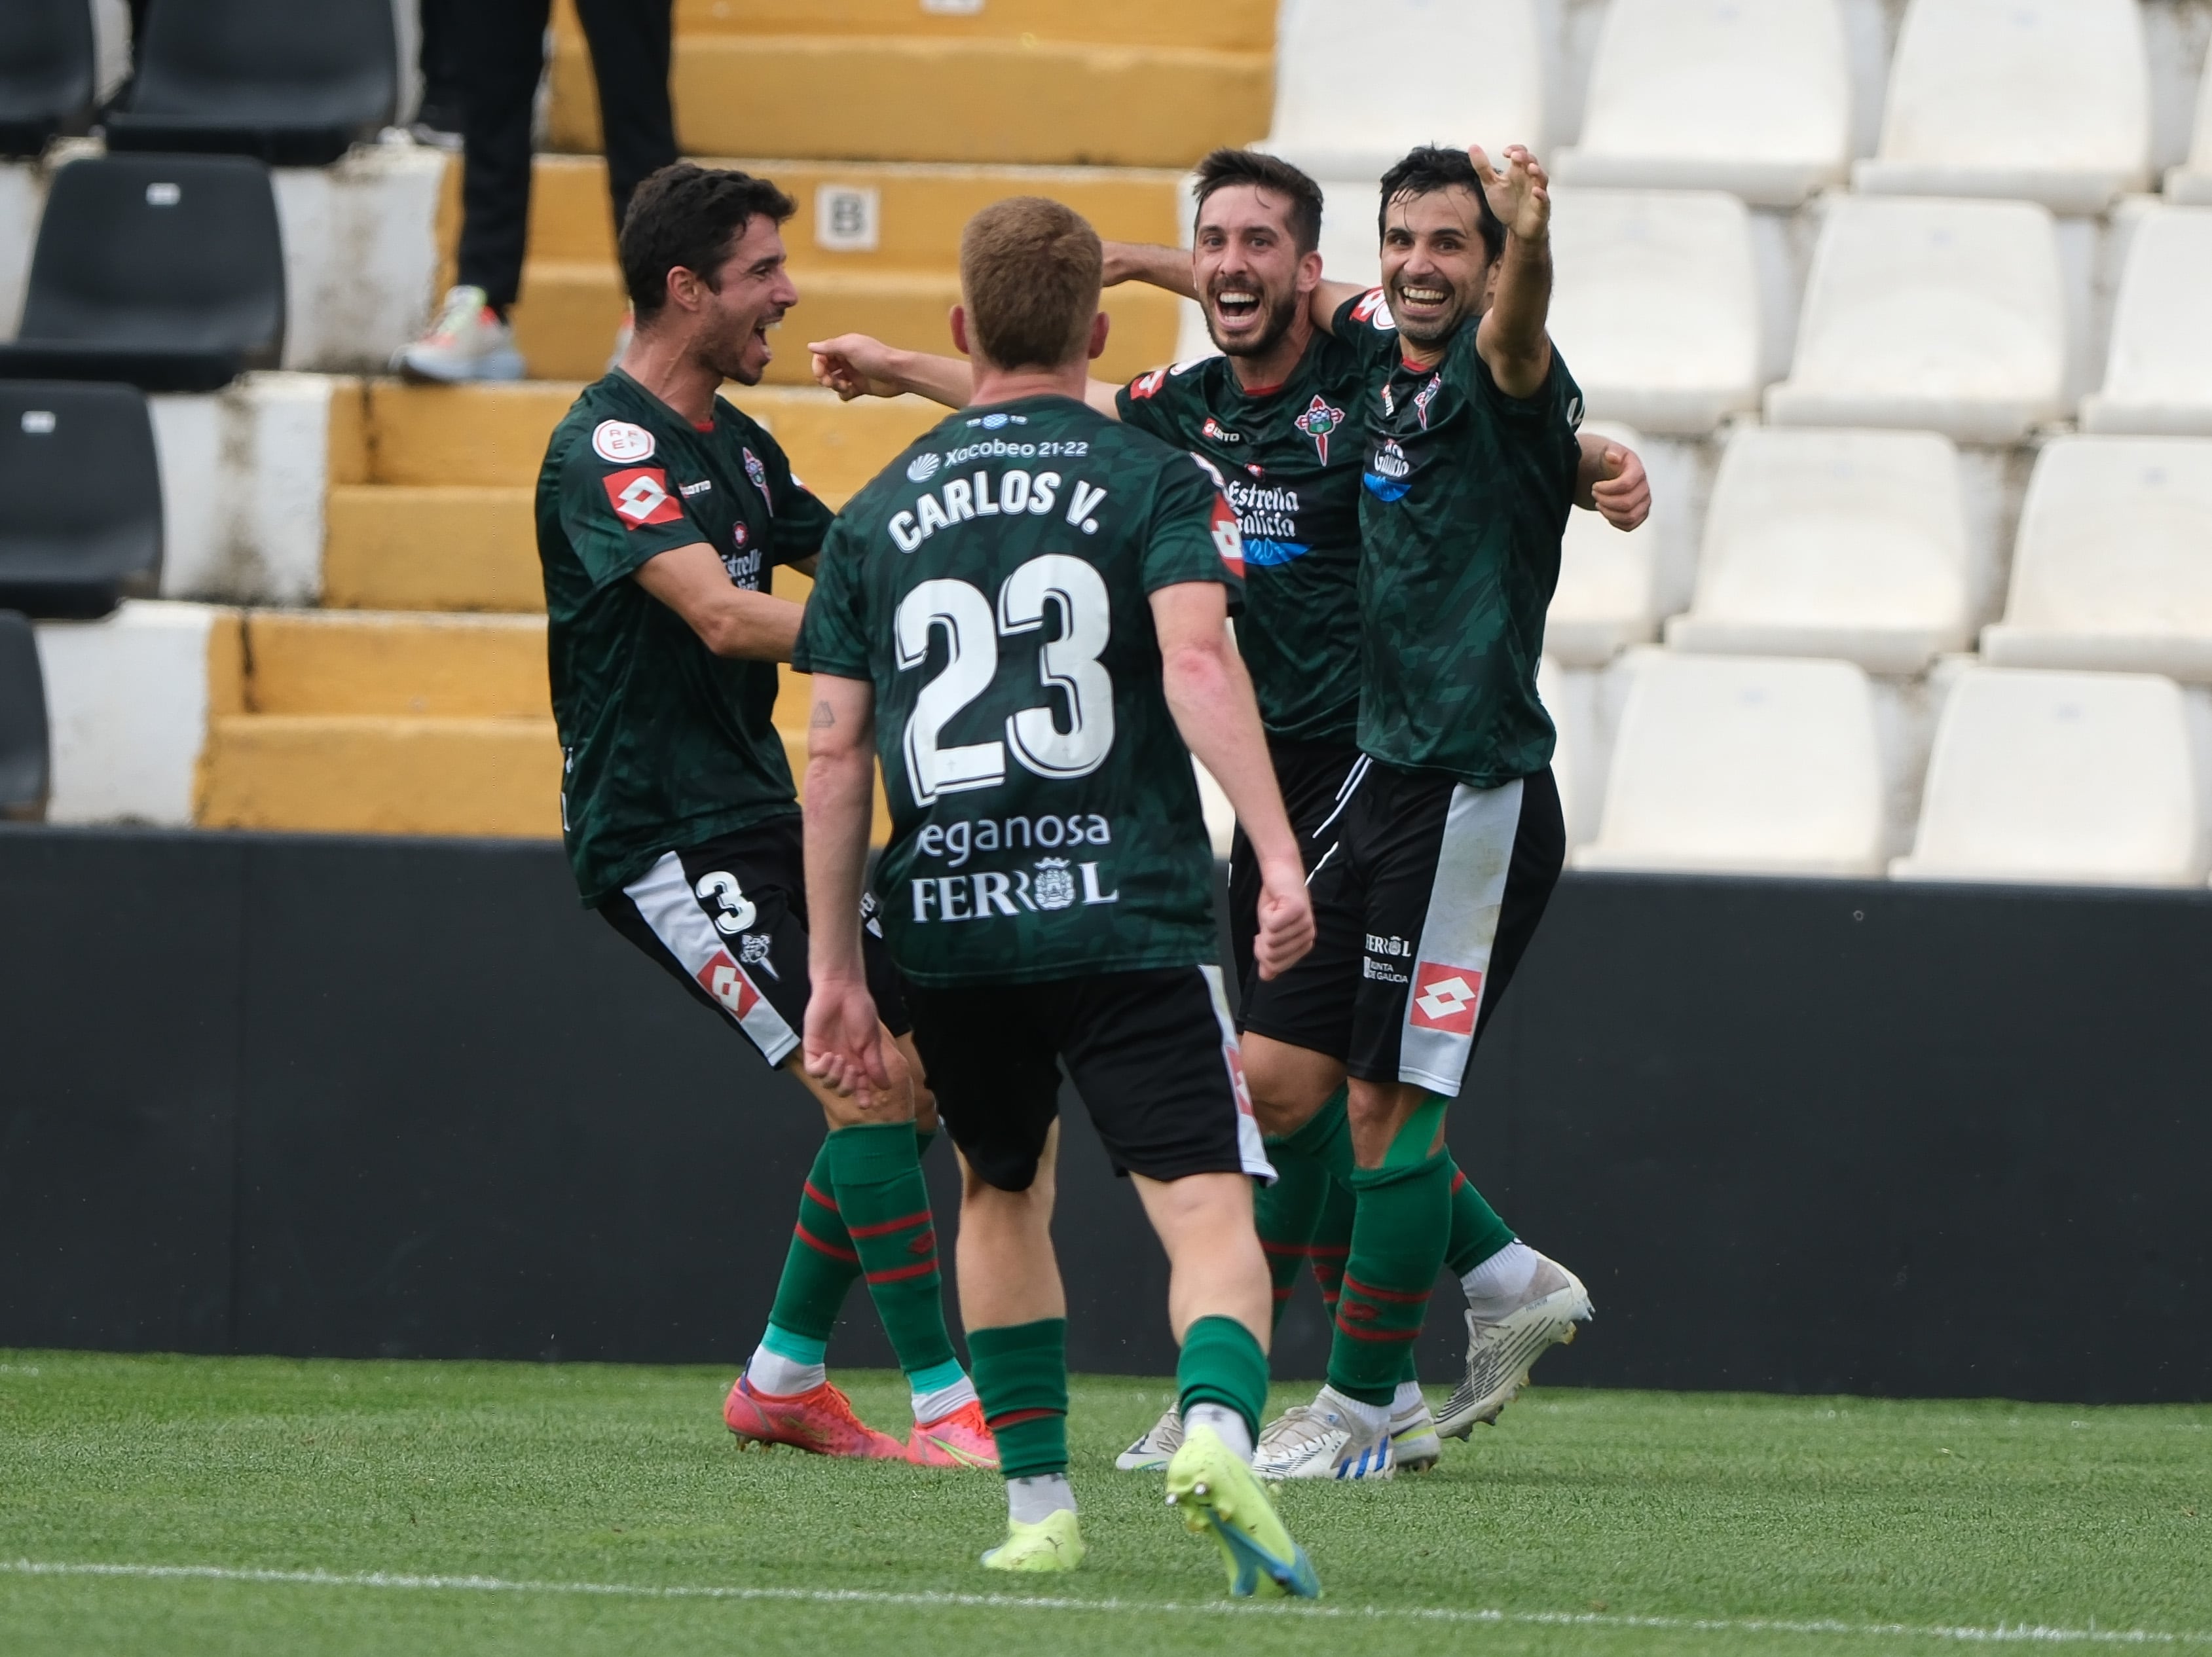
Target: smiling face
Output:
[
  {"x": 1250, "y": 278},
  {"x": 753, "y": 291},
  {"x": 1436, "y": 269}
]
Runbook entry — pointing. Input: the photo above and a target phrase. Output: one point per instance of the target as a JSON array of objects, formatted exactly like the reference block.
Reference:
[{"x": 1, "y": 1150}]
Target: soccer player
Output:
[
  {"x": 1275, "y": 411},
  {"x": 660, "y": 511},
  {"x": 1024, "y": 615}
]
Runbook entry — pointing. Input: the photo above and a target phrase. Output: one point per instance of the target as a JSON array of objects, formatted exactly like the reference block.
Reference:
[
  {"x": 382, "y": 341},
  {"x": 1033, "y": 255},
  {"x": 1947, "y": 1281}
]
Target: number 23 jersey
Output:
[{"x": 993, "y": 584}]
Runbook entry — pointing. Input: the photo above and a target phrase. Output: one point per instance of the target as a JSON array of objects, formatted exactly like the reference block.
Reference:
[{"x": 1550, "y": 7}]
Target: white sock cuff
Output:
[
  {"x": 935, "y": 1406},
  {"x": 1374, "y": 1418},
  {"x": 1227, "y": 1424},
  {"x": 782, "y": 1377},
  {"x": 1505, "y": 1275},
  {"x": 1409, "y": 1394},
  {"x": 1030, "y": 1500}
]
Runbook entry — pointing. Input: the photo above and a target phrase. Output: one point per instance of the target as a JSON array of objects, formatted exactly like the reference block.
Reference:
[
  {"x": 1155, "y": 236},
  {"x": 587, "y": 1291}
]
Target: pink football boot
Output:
[
  {"x": 820, "y": 1422},
  {"x": 957, "y": 1440}
]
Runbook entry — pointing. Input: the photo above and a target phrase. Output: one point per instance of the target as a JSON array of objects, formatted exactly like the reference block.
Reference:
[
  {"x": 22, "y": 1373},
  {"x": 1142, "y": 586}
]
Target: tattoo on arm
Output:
[{"x": 823, "y": 717}]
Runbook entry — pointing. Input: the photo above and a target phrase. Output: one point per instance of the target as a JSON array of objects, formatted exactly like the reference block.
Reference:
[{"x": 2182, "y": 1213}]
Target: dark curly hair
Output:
[
  {"x": 1425, "y": 171},
  {"x": 687, "y": 217},
  {"x": 1225, "y": 167}
]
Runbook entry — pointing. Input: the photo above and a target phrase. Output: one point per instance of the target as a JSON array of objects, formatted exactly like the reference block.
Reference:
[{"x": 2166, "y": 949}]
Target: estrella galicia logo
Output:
[
  {"x": 1428, "y": 396},
  {"x": 921, "y": 469},
  {"x": 1387, "y": 470},
  {"x": 1317, "y": 422}
]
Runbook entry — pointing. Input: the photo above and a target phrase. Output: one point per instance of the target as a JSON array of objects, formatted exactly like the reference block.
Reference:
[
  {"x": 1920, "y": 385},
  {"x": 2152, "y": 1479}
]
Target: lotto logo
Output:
[
  {"x": 1148, "y": 384},
  {"x": 1372, "y": 308},
  {"x": 1228, "y": 540},
  {"x": 1235, "y": 1059},
  {"x": 1445, "y": 999},
  {"x": 724, "y": 980},
  {"x": 640, "y": 496}
]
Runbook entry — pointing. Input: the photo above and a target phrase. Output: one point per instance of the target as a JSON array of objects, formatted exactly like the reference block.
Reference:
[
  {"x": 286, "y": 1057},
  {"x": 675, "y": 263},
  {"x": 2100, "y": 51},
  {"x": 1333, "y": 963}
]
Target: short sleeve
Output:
[
  {"x": 1558, "y": 400},
  {"x": 1364, "y": 323},
  {"x": 1139, "y": 404},
  {"x": 1192, "y": 534},
  {"x": 832, "y": 638},
  {"x": 617, "y": 515}
]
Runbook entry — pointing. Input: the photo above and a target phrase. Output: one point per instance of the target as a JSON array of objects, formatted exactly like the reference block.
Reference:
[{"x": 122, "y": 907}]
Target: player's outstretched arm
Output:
[
  {"x": 842, "y": 1044},
  {"x": 690, "y": 580},
  {"x": 1210, "y": 694},
  {"x": 860, "y": 365},
  {"x": 1149, "y": 262},
  {"x": 1512, "y": 338},
  {"x": 1610, "y": 481}
]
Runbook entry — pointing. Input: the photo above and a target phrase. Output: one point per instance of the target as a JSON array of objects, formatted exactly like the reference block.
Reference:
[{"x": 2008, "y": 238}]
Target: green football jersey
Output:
[
  {"x": 1465, "y": 493},
  {"x": 664, "y": 743},
  {"x": 993, "y": 583},
  {"x": 1292, "y": 462}
]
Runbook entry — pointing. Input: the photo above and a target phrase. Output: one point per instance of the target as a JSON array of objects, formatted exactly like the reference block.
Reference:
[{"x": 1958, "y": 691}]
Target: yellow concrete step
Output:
[
  {"x": 396, "y": 664},
  {"x": 919, "y": 207},
  {"x": 361, "y": 774},
  {"x": 446, "y": 546},
  {"x": 494, "y": 435},
  {"x": 1231, "y": 25},
  {"x": 860, "y": 97}
]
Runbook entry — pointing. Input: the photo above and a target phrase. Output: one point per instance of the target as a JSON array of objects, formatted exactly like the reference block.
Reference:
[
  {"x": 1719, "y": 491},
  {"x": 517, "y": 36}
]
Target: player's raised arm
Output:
[
  {"x": 730, "y": 621},
  {"x": 860, "y": 365},
  {"x": 1210, "y": 694},
  {"x": 1512, "y": 339},
  {"x": 1148, "y": 262},
  {"x": 842, "y": 1041},
  {"x": 1610, "y": 481}
]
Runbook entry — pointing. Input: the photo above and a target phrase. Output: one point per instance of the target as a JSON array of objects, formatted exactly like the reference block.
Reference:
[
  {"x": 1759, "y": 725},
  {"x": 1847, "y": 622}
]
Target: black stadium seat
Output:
[
  {"x": 46, "y": 72},
  {"x": 293, "y": 82},
  {"x": 23, "y": 745},
  {"x": 80, "y": 498},
  {"x": 167, "y": 272}
]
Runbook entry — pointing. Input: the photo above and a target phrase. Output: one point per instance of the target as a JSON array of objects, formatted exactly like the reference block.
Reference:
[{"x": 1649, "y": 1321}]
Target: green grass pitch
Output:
[{"x": 605, "y": 1509}]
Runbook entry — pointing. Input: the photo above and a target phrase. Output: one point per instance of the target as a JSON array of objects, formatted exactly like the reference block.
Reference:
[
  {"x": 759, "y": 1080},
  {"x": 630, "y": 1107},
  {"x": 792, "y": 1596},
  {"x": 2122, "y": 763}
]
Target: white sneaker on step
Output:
[{"x": 468, "y": 342}]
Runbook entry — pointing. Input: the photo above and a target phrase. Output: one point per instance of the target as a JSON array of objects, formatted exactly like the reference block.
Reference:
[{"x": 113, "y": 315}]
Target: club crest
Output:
[{"x": 1317, "y": 422}]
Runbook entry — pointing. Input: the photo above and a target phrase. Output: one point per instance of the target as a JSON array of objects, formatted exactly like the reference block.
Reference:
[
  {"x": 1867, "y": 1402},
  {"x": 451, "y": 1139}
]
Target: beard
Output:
[
  {"x": 729, "y": 356},
  {"x": 1424, "y": 331},
  {"x": 1281, "y": 313}
]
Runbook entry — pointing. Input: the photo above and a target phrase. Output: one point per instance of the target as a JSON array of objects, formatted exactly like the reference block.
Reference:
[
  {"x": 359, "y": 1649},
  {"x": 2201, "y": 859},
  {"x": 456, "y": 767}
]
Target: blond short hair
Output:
[{"x": 1030, "y": 271}]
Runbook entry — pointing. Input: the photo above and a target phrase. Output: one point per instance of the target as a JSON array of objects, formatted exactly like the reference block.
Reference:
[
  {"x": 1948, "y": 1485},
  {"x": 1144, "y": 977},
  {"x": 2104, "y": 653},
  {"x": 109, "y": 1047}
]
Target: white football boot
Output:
[
  {"x": 1322, "y": 1439},
  {"x": 468, "y": 342},
  {"x": 1156, "y": 1447},
  {"x": 1414, "y": 1445},
  {"x": 1499, "y": 1352}
]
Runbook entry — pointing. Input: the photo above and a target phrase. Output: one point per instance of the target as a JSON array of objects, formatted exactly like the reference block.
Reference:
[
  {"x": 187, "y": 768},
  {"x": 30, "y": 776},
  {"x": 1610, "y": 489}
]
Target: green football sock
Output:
[
  {"x": 1398, "y": 1239},
  {"x": 821, "y": 1265},
  {"x": 1222, "y": 1363},
  {"x": 1477, "y": 1233},
  {"x": 1287, "y": 1212},
  {"x": 880, "y": 1196},
  {"x": 1331, "y": 1243},
  {"x": 1021, "y": 1375}
]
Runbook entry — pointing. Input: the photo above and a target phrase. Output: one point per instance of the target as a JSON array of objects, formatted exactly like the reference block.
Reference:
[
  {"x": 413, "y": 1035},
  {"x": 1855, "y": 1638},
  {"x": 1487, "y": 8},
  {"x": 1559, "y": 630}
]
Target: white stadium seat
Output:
[
  {"x": 1344, "y": 109},
  {"x": 2081, "y": 778},
  {"x": 2158, "y": 371},
  {"x": 2190, "y": 183},
  {"x": 1755, "y": 765},
  {"x": 1843, "y": 543},
  {"x": 1943, "y": 316},
  {"x": 1607, "y": 596},
  {"x": 1654, "y": 305},
  {"x": 2046, "y": 101},
  {"x": 2113, "y": 565},
  {"x": 1754, "y": 98}
]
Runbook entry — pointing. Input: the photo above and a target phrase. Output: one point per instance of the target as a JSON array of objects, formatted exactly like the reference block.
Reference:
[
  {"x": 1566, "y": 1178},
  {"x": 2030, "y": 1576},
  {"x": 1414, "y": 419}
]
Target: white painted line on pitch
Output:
[{"x": 2001, "y": 1633}]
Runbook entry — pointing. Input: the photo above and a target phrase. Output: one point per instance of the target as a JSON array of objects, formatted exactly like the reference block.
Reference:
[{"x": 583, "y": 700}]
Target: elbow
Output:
[{"x": 1195, "y": 667}]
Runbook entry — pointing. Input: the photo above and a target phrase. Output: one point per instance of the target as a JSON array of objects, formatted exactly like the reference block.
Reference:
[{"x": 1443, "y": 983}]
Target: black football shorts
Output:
[
  {"x": 728, "y": 918},
  {"x": 1152, "y": 1052}
]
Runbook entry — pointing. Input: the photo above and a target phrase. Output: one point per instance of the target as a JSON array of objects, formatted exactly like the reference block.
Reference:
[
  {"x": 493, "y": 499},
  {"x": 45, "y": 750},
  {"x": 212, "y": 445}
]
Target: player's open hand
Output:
[
  {"x": 854, "y": 364},
  {"x": 1623, "y": 495},
  {"x": 844, "y": 1043},
  {"x": 1286, "y": 922},
  {"x": 1520, "y": 192}
]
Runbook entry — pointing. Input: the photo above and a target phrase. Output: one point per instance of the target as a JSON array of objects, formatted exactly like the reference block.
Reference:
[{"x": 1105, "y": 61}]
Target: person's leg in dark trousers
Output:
[
  {"x": 630, "y": 42},
  {"x": 440, "y": 60},
  {"x": 503, "y": 55}
]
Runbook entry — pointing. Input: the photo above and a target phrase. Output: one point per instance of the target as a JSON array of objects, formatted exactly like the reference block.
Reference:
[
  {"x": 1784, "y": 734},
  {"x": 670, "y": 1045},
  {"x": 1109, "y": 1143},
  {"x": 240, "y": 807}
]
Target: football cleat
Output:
[
  {"x": 1499, "y": 1353},
  {"x": 468, "y": 342},
  {"x": 1053, "y": 1543},
  {"x": 957, "y": 1440},
  {"x": 1414, "y": 1447},
  {"x": 1161, "y": 1441},
  {"x": 1322, "y": 1439},
  {"x": 1217, "y": 1495},
  {"x": 820, "y": 1422}
]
